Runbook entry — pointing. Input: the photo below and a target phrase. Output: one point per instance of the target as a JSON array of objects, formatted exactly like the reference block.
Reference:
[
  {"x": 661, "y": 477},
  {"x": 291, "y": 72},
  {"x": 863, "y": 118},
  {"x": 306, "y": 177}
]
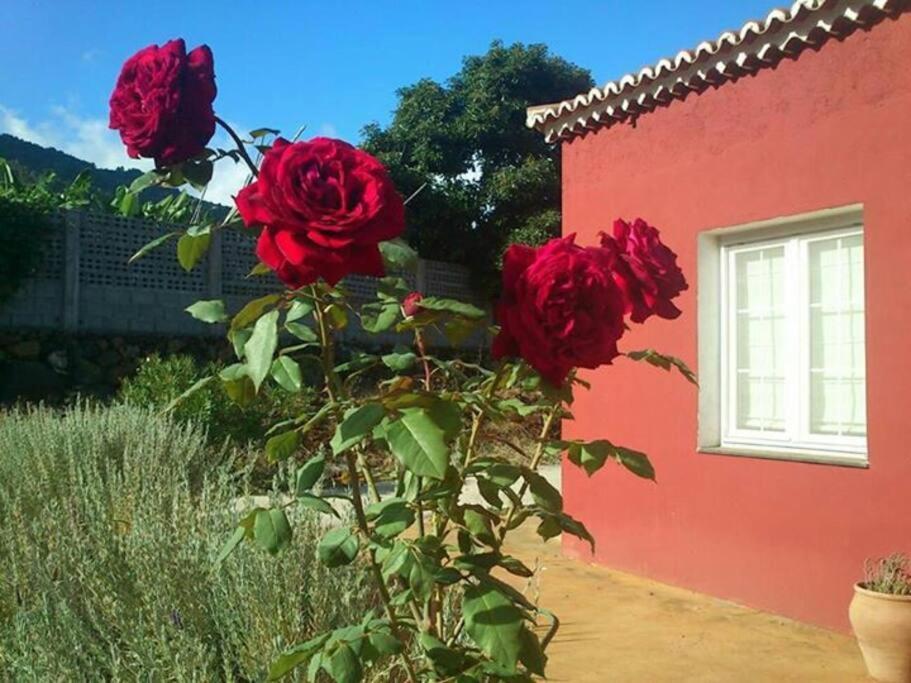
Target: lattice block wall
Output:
[
  {"x": 238, "y": 254},
  {"x": 51, "y": 267},
  {"x": 106, "y": 244},
  {"x": 85, "y": 282},
  {"x": 447, "y": 280}
]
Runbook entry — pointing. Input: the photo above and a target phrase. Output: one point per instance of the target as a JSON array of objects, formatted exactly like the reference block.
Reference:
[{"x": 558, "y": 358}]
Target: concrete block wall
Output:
[{"x": 86, "y": 284}]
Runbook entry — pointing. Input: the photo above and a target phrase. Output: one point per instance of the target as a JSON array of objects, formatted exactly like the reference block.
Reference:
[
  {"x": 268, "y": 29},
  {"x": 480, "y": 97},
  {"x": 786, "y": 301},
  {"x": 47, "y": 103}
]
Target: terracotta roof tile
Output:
[{"x": 784, "y": 33}]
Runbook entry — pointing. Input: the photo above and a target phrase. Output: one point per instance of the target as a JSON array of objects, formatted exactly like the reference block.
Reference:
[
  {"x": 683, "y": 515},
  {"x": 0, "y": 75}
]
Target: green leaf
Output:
[
  {"x": 590, "y": 456},
  {"x": 147, "y": 179},
  {"x": 420, "y": 579},
  {"x": 295, "y": 656},
  {"x": 385, "y": 643},
  {"x": 576, "y": 528},
  {"x": 391, "y": 517},
  {"x": 515, "y": 566},
  {"x": 191, "y": 249},
  {"x": 660, "y": 360},
  {"x": 231, "y": 544},
  {"x": 271, "y": 530},
  {"x": 309, "y": 474},
  {"x": 343, "y": 665},
  {"x": 446, "y": 659},
  {"x": 543, "y": 492},
  {"x": 302, "y": 331},
  {"x": 300, "y": 308},
  {"x": 259, "y": 269},
  {"x": 398, "y": 255},
  {"x": 357, "y": 423},
  {"x": 238, "y": 338},
  {"x": 458, "y": 330},
  {"x": 379, "y": 316},
  {"x": 397, "y": 559},
  {"x": 399, "y": 361},
  {"x": 338, "y": 547},
  {"x": 198, "y": 172},
  {"x": 154, "y": 244},
  {"x": 237, "y": 383},
  {"x": 494, "y": 623},
  {"x": 261, "y": 347},
  {"x": 253, "y": 310},
  {"x": 282, "y": 446},
  {"x": 313, "y": 502},
  {"x": 433, "y": 303},
  {"x": 287, "y": 374},
  {"x": 199, "y": 384},
  {"x": 263, "y": 132},
  {"x": 419, "y": 443},
  {"x": 636, "y": 462},
  {"x": 479, "y": 524},
  {"x": 211, "y": 311},
  {"x": 549, "y": 528},
  {"x": 531, "y": 654},
  {"x": 337, "y": 316}
]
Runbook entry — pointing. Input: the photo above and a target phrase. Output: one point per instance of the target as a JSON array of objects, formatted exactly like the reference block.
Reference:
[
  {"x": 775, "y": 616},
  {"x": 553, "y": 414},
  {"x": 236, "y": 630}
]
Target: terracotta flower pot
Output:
[{"x": 882, "y": 625}]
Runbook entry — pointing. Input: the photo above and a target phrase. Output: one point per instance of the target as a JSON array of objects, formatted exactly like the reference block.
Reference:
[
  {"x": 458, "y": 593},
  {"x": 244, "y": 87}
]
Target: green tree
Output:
[{"x": 485, "y": 180}]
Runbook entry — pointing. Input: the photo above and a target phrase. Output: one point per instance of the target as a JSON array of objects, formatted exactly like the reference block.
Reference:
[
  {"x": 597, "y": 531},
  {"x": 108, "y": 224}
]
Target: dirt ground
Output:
[{"x": 618, "y": 627}]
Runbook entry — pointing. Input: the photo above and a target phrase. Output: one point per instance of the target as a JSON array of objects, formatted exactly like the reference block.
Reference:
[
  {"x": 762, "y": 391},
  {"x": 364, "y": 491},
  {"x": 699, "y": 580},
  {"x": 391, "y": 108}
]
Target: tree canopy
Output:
[{"x": 485, "y": 180}]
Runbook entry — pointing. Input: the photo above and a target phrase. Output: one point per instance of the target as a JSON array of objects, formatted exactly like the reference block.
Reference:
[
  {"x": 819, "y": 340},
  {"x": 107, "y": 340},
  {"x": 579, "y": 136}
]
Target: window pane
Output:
[
  {"x": 837, "y": 362},
  {"x": 761, "y": 333}
]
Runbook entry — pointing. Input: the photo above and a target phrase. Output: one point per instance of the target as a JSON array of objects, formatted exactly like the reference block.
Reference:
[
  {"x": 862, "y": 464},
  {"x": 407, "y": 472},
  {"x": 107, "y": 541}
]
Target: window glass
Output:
[
  {"x": 760, "y": 332},
  {"x": 837, "y": 368}
]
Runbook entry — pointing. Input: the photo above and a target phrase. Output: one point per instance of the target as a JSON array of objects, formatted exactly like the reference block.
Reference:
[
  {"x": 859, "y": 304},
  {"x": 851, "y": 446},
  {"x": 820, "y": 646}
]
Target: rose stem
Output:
[{"x": 240, "y": 146}]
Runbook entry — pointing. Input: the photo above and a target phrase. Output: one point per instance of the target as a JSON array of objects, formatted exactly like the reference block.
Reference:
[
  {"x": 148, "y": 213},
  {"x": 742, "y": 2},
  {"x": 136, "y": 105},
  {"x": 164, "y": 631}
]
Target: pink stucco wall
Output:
[{"x": 829, "y": 129}]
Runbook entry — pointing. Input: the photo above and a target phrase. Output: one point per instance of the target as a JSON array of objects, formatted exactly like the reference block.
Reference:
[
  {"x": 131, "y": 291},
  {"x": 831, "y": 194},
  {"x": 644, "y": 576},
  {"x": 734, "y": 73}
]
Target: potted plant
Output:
[{"x": 881, "y": 618}]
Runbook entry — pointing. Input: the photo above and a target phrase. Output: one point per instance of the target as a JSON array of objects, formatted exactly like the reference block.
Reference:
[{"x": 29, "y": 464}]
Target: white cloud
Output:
[
  {"x": 327, "y": 130},
  {"x": 91, "y": 55},
  {"x": 84, "y": 137},
  {"x": 226, "y": 181}
]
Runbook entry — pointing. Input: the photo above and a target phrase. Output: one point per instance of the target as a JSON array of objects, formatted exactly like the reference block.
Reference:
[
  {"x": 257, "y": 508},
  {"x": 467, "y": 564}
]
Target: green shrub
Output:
[
  {"x": 112, "y": 519},
  {"x": 160, "y": 380}
]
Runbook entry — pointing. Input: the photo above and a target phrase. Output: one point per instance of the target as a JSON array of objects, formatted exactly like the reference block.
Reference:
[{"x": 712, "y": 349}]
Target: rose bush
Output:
[
  {"x": 411, "y": 306},
  {"x": 324, "y": 207},
  {"x": 560, "y": 308},
  {"x": 645, "y": 269},
  {"x": 162, "y": 103},
  {"x": 437, "y": 561}
]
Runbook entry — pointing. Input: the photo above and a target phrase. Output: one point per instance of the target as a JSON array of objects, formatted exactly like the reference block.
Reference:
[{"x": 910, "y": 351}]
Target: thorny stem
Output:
[
  {"x": 240, "y": 146},
  {"x": 533, "y": 465},
  {"x": 422, "y": 353},
  {"x": 358, "y": 503},
  {"x": 368, "y": 476},
  {"x": 473, "y": 437},
  {"x": 327, "y": 346}
]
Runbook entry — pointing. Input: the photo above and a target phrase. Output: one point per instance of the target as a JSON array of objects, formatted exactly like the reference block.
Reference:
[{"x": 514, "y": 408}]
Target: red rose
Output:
[
  {"x": 645, "y": 269},
  {"x": 412, "y": 304},
  {"x": 324, "y": 207},
  {"x": 560, "y": 308},
  {"x": 162, "y": 103}
]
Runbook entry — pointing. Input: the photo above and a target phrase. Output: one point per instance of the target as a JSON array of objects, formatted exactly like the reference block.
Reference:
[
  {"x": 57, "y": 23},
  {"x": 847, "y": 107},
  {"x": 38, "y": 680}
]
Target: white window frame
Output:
[{"x": 718, "y": 433}]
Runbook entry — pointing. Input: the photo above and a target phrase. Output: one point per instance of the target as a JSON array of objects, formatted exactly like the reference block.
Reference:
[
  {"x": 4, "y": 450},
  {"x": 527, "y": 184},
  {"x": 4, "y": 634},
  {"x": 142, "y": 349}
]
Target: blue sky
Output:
[{"x": 333, "y": 66}]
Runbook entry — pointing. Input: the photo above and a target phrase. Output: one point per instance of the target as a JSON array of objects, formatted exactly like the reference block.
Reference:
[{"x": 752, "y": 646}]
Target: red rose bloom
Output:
[
  {"x": 412, "y": 304},
  {"x": 645, "y": 269},
  {"x": 162, "y": 103},
  {"x": 324, "y": 206},
  {"x": 560, "y": 308}
]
